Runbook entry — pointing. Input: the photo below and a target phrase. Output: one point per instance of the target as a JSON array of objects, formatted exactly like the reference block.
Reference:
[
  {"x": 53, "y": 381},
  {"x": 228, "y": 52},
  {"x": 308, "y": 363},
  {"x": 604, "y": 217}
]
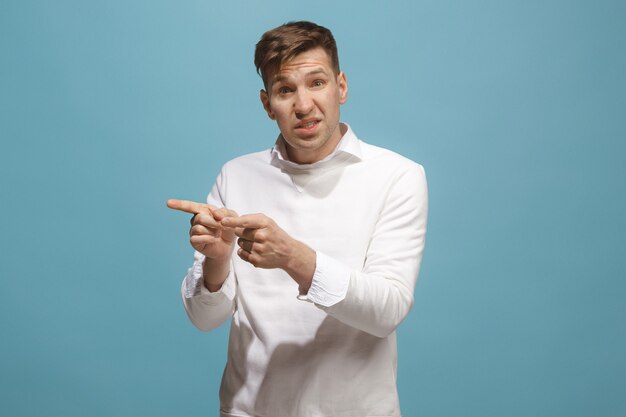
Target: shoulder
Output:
[
  {"x": 392, "y": 162},
  {"x": 405, "y": 185},
  {"x": 247, "y": 162}
]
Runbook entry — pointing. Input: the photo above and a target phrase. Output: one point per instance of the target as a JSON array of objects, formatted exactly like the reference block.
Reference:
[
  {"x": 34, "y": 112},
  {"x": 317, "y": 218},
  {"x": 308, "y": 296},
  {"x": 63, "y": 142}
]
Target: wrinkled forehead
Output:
[
  {"x": 312, "y": 62},
  {"x": 291, "y": 74}
]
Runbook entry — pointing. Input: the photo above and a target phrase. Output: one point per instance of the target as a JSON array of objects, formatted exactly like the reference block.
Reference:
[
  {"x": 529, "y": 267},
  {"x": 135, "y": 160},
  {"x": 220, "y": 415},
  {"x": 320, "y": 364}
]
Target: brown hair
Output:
[{"x": 286, "y": 41}]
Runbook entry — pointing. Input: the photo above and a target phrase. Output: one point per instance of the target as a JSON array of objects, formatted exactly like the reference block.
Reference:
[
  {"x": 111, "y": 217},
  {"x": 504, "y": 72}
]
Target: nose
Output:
[{"x": 303, "y": 103}]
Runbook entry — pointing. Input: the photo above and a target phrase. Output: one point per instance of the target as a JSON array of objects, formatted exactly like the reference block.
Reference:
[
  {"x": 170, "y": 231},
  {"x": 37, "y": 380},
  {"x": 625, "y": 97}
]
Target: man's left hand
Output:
[{"x": 265, "y": 245}]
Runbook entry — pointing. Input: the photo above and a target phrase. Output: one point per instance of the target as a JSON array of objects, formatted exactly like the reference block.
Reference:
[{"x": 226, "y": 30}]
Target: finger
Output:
[
  {"x": 188, "y": 206},
  {"x": 255, "y": 235},
  {"x": 206, "y": 219},
  {"x": 201, "y": 240},
  {"x": 248, "y": 221},
  {"x": 246, "y": 256},
  {"x": 246, "y": 245},
  {"x": 221, "y": 213},
  {"x": 199, "y": 229}
]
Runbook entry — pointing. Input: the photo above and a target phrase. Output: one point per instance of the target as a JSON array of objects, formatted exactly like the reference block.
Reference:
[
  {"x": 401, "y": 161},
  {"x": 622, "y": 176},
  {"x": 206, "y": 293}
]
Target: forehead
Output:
[{"x": 312, "y": 61}]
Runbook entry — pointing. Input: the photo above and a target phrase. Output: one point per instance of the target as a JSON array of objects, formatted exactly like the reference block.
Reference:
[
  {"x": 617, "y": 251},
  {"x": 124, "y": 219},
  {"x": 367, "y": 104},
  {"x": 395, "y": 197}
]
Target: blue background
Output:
[{"x": 515, "y": 108}]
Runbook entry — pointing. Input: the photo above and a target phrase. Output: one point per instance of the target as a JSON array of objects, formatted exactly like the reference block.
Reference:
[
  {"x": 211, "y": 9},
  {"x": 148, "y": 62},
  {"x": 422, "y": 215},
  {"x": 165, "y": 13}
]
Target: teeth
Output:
[{"x": 309, "y": 124}]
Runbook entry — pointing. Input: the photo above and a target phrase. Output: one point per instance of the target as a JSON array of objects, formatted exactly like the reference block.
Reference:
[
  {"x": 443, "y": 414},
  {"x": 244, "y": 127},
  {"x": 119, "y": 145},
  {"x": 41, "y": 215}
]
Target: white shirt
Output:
[{"x": 363, "y": 209}]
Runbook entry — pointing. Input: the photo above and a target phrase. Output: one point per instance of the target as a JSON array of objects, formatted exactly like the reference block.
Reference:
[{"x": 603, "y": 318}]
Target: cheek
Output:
[
  {"x": 280, "y": 112},
  {"x": 280, "y": 117}
]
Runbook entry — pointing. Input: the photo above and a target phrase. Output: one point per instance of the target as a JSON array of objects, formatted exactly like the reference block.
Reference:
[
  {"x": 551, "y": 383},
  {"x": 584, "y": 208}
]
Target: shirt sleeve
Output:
[
  {"x": 207, "y": 310},
  {"x": 330, "y": 281},
  {"x": 378, "y": 297}
]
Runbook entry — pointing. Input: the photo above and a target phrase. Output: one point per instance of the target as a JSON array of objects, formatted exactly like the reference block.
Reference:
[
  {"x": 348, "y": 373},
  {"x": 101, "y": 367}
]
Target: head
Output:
[
  {"x": 286, "y": 41},
  {"x": 304, "y": 88}
]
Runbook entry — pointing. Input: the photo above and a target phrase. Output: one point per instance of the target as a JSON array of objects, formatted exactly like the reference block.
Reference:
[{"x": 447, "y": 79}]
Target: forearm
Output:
[
  {"x": 376, "y": 297},
  {"x": 208, "y": 313},
  {"x": 373, "y": 304},
  {"x": 207, "y": 310},
  {"x": 215, "y": 272},
  {"x": 301, "y": 266}
]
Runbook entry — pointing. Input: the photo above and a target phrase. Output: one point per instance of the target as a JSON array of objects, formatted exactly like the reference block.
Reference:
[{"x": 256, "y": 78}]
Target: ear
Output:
[
  {"x": 265, "y": 99},
  {"x": 342, "y": 82}
]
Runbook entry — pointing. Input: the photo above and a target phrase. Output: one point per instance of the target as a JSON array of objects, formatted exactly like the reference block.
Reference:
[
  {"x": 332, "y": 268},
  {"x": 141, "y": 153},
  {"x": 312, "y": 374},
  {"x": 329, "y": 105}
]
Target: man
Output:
[{"x": 328, "y": 233}]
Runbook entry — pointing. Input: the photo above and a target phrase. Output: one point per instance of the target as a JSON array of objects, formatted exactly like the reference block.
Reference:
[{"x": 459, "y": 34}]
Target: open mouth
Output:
[{"x": 310, "y": 124}]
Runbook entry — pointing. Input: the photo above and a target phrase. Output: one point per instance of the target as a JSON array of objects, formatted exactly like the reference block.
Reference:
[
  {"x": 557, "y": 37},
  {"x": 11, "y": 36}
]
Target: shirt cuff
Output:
[
  {"x": 330, "y": 281},
  {"x": 193, "y": 284}
]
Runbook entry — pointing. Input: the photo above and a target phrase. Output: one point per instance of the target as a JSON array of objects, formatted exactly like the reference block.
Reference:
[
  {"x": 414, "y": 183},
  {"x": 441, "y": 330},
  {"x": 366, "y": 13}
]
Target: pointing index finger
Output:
[
  {"x": 188, "y": 206},
  {"x": 248, "y": 221}
]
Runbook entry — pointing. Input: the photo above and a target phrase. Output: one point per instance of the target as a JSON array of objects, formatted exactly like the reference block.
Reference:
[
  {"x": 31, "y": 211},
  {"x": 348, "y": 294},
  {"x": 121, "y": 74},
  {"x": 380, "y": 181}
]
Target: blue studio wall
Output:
[{"x": 517, "y": 110}]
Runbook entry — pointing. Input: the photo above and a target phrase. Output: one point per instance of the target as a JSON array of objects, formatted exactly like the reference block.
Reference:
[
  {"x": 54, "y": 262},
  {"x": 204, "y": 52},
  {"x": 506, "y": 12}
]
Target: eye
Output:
[
  {"x": 284, "y": 90},
  {"x": 319, "y": 83}
]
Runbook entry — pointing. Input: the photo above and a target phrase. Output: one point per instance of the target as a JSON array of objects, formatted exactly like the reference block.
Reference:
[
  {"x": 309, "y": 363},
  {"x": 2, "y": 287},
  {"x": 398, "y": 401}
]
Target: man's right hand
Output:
[{"x": 206, "y": 235}]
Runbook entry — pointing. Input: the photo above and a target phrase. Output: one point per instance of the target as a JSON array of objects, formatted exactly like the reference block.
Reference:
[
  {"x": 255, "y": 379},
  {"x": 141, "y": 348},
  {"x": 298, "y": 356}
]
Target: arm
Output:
[
  {"x": 374, "y": 299},
  {"x": 379, "y": 296},
  {"x": 209, "y": 288},
  {"x": 207, "y": 310}
]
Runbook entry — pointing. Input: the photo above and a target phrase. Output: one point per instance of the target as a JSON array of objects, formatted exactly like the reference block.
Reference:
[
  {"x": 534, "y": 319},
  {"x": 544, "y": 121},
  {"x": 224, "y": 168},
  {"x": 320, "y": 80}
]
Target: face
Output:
[{"x": 304, "y": 97}]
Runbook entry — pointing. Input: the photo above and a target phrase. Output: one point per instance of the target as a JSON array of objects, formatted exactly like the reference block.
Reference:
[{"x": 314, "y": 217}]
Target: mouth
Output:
[{"x": 307, "y": 124}]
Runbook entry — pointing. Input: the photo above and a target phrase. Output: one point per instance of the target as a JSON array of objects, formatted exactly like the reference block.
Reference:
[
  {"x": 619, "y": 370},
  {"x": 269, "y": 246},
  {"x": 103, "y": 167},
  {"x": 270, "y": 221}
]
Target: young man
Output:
[{"x": 312, "y": 248}]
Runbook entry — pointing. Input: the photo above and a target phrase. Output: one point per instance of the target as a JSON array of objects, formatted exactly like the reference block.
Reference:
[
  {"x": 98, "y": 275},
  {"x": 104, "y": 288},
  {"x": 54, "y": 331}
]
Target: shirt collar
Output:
[{"x": 348, "y": 147}]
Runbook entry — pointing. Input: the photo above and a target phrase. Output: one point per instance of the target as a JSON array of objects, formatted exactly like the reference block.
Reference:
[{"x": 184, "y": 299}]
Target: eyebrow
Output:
[{"x": 279, "y": 77}]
